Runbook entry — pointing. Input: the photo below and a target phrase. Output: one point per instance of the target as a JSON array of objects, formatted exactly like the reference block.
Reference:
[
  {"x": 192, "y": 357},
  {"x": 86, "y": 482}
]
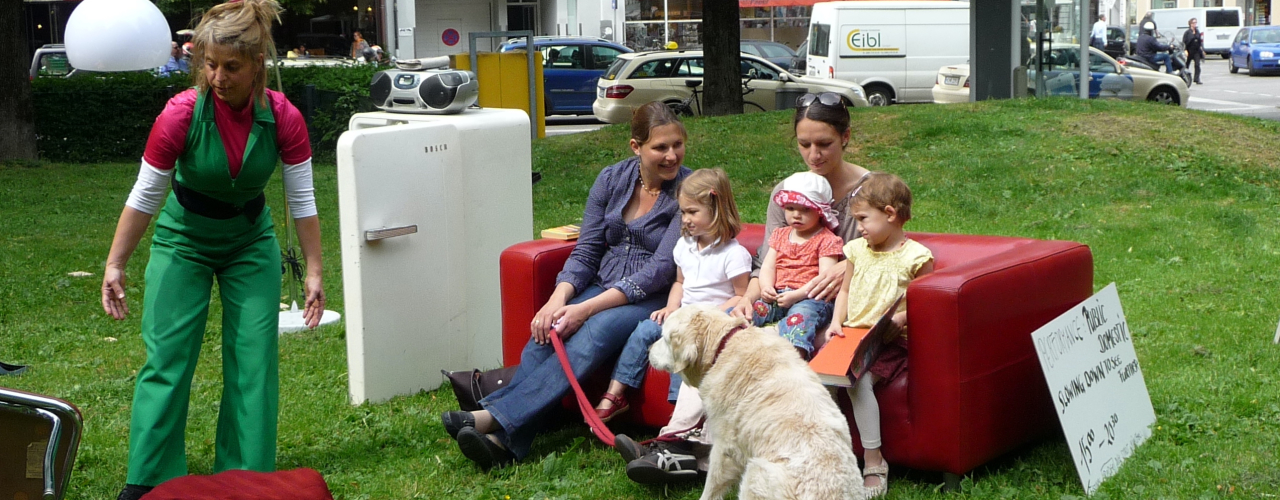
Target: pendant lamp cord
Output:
[{"x": 290, "y": 264}]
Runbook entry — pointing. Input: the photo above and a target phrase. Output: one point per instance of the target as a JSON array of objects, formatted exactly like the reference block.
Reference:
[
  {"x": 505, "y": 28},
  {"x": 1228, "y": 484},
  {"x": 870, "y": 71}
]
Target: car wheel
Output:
[
  {"x": 1248, "y": 64},
  {"x": 1231, "y": 66},
  {"x": 1164, "y": 95},
  {"x": 1226, "y": 56},
  {"x": 879, "y": 96}
]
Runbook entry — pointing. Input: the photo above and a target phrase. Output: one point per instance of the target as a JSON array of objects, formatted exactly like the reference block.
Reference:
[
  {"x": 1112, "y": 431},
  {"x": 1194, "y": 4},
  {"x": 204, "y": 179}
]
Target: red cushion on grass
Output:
[{"x": 296, "y": 484}]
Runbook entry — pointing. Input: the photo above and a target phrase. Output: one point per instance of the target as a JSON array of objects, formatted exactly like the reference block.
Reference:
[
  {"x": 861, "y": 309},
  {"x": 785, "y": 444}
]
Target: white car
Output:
[
  {"x": 673, "y": 77},
  {"x": 952, "y": 85}
]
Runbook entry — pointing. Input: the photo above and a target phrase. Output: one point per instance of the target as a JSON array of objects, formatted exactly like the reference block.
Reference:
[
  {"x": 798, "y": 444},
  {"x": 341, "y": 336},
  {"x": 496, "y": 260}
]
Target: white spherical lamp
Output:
[{"x": 117, "y": 35}]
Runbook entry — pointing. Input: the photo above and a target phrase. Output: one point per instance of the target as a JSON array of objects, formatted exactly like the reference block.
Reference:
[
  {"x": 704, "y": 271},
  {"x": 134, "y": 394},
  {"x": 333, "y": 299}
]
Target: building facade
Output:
[{"x": 425, "y": 28}]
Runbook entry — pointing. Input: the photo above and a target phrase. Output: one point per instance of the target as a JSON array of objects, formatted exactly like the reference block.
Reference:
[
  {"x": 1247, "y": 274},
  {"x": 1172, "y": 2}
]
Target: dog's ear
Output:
[{"x": 700, "y": 331}]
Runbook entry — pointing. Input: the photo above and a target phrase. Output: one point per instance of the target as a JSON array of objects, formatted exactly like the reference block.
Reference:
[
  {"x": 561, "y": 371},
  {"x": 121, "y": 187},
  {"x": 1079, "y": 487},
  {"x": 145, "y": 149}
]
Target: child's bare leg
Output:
[{"x": 615, "y": 388}]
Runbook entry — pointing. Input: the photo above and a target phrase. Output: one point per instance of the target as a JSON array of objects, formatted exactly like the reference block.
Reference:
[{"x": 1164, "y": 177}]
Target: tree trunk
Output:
[
  {"x": 722, "y": 82},
  {"x": 17, "y": 113}
]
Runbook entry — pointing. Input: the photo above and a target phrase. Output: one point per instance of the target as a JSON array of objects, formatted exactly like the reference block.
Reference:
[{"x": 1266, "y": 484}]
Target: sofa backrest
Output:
[{"x": 948, "y": 249}]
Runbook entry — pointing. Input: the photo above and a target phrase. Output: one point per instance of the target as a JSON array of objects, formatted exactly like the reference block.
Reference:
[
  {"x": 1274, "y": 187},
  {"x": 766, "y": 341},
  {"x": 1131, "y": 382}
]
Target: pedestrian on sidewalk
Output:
[{"x": 1193, "y": 40}]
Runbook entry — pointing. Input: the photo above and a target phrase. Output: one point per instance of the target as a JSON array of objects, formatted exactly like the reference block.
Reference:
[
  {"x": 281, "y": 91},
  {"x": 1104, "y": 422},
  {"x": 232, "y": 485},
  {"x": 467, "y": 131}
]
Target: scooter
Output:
[{"x": 1176, "y": 51}]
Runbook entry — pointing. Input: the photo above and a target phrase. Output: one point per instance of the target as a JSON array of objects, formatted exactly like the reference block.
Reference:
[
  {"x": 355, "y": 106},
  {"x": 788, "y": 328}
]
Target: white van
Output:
[
  {"x": 1219, "y": 25},
  {"x": 892, "y": 48}
]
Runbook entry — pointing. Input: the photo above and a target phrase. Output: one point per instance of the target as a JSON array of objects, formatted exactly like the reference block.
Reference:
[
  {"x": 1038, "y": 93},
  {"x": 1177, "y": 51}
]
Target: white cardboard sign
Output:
[{"x": 1097, "y": 386}]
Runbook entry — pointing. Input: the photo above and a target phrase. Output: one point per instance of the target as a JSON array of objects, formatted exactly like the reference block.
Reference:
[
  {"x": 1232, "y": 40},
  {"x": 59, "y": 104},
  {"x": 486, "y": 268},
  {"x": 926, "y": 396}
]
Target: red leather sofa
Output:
[{"x": 974, "y": 389}]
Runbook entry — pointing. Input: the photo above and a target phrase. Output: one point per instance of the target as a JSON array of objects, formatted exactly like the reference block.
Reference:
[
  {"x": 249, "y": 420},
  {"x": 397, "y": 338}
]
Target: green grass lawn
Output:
[{"x": 1179, "y": 207}]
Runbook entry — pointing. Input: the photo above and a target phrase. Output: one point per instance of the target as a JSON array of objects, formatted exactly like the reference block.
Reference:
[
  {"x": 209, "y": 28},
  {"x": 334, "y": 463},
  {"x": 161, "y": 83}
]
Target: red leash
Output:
[{"x": 588, "y": 410}]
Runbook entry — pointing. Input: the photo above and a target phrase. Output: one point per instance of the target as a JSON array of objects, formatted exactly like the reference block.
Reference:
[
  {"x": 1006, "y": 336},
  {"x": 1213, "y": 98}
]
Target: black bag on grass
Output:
[{"x": 470, "y": 386}]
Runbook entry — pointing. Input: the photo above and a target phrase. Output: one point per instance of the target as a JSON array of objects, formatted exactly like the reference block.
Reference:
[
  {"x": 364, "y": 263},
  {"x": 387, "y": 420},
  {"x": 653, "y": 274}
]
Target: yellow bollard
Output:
[{"x": 504, "y": 78}]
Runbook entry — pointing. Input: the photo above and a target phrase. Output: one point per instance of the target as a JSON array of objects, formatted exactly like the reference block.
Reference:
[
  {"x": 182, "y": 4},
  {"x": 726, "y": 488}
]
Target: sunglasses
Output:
[{"x": 825, "y": 99}]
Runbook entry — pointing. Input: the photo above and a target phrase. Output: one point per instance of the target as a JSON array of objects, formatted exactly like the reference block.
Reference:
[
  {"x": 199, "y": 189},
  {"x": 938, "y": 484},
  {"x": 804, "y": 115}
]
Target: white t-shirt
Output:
[
  {"x": 707, "y": 272},
  {"x": 1100, "y": 30}
]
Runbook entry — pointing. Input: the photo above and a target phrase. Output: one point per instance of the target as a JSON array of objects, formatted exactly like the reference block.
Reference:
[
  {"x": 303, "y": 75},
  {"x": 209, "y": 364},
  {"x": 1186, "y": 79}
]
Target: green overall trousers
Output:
[{"x": 187, "y": 252}]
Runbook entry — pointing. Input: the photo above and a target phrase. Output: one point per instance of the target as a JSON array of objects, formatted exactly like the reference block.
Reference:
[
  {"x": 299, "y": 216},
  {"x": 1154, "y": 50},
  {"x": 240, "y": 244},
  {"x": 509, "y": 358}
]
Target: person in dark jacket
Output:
[
  {"x": 1193, "y": 40},
  {"x": 1151, "y": 49}
]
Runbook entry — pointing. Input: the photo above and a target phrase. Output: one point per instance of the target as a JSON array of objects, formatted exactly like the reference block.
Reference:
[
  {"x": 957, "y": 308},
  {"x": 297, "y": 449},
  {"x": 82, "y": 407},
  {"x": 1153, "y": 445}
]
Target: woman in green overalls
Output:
[{"x": 217, "y": 145}]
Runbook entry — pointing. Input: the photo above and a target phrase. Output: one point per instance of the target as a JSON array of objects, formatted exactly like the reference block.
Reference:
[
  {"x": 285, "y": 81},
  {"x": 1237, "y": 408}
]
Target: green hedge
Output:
[{"x": 102, "y": 117}]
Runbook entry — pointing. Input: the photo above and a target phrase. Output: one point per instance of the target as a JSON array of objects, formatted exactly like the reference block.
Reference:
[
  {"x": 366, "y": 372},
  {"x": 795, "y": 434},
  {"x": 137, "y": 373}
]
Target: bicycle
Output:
[{"x": 691, "y": 105}]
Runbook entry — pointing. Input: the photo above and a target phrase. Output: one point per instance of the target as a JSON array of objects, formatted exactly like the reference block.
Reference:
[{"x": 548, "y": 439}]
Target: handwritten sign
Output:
[{"x": 1097, "y": 386}]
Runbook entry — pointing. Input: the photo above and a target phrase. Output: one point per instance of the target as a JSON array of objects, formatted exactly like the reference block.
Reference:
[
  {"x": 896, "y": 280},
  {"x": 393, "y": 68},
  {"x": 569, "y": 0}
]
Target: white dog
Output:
[{"x": 776, "y": 427}]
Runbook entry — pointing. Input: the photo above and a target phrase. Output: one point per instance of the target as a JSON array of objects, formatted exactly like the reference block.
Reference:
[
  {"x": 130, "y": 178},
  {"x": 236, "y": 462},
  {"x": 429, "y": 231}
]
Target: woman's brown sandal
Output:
[{"x": 881, "y": 471}]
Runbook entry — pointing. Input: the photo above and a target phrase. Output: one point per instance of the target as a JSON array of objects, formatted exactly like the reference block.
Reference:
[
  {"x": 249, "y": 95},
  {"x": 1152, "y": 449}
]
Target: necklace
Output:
[{"x": 652, "y": 191}]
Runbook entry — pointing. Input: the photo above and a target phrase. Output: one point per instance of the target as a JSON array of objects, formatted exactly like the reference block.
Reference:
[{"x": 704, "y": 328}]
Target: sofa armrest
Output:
[
  {"x": 976, "y": 389},
  {"x": 528, "y": 276}
]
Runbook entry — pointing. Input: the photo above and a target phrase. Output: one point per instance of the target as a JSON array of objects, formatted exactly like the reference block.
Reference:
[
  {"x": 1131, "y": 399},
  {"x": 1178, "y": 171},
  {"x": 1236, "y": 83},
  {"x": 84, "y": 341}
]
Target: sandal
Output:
[
  {"x": 620, "y": 406},
  {"x": 881, "y": 471}
]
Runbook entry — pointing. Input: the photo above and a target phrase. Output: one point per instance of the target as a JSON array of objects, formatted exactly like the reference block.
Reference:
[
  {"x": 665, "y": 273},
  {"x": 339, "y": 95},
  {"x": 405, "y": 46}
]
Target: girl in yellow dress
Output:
[{"x": 880, "y": 266}]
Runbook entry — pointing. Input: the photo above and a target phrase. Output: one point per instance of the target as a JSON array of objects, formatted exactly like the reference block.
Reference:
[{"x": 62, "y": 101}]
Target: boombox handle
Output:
[{"x": 529, "y": 48}]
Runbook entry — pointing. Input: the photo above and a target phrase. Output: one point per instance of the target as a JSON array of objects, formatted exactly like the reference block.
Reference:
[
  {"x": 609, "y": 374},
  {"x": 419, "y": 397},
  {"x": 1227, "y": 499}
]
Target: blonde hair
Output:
[
  {"x": 880, "y": 189},
  {"x": 244, "y": 26},
  {"x": 710, "y": 187}
]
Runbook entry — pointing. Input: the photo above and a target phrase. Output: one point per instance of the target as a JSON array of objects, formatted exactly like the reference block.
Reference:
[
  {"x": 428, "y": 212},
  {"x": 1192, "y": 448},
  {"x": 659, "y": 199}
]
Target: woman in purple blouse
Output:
[{"x": 617, "y": 275}]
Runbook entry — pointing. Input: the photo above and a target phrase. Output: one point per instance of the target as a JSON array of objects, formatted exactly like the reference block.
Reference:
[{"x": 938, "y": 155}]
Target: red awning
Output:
[{"x": 776, "y": 3}]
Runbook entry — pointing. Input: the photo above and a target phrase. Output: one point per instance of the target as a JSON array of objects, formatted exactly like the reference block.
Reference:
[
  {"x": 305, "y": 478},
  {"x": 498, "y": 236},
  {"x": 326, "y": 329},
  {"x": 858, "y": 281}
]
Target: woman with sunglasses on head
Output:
[{"x": 822, "y": 131}]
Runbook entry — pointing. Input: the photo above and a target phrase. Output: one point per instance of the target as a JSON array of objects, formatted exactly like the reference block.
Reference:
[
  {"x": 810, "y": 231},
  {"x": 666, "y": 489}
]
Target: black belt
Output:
[{"x": 213, "y": 208}]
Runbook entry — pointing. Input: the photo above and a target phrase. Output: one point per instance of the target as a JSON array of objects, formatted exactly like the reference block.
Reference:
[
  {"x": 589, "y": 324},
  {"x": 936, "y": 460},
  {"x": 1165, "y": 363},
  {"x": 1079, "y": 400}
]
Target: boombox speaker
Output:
[{"x": 433, "y": 91}]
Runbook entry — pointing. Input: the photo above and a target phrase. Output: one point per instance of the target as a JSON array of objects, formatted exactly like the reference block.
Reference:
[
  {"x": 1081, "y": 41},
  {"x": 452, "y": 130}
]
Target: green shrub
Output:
[{"x": 101, "y": 117}]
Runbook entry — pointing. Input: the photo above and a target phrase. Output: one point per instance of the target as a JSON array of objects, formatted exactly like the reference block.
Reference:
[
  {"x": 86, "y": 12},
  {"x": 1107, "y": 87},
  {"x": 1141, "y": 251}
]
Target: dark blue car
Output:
[
  {"x": 1257, "y": 49},
  {"x": 570, "y": 68}
]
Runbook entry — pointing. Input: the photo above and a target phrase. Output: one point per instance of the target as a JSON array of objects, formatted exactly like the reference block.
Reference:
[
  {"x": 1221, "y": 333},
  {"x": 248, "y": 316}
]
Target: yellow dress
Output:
[{"x": 879, "y": 278}]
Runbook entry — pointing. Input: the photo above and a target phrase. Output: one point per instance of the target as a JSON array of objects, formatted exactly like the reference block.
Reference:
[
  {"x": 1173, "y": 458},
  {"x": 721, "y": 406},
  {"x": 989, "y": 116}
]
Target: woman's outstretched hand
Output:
[
  {"x": 827, "y": 284},
  {"x": 314, "y": 308},
  {"x": 113, "y": 301}
]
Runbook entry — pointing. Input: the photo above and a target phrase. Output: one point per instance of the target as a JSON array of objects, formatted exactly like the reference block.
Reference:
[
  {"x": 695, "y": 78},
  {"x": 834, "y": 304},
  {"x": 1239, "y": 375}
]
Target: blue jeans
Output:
[
  {"x": 539, "y": 383},
  {"x": 799, "y": 323},
  {"x": 1163, "y": 56},
  {"x": 633, "y": 364}
]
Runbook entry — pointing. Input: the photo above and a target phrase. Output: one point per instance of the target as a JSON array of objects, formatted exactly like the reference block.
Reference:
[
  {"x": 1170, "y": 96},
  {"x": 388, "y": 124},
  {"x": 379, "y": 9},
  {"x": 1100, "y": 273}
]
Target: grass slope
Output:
[{"x": 1179, "y": 207}]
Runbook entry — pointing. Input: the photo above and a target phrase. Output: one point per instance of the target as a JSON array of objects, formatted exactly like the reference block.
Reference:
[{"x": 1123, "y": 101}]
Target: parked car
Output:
[
  {"x": 673, "y": 77},
  {"x": 1115, "y": 42},
  {"x": 51, "y": 60},
  {"x": 798, "y": 62},
  {"x": 1108, "y": 79},
  {"x": 952, "y": 85},
  {"x": 1257, "y": 49},
  {"x": 570, "y": 68},
  {"x": 774, "y": 52}
]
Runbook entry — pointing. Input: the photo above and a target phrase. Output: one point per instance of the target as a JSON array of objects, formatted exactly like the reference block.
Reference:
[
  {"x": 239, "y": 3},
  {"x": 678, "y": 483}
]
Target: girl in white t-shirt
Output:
[{"x": 711, "y": 268}]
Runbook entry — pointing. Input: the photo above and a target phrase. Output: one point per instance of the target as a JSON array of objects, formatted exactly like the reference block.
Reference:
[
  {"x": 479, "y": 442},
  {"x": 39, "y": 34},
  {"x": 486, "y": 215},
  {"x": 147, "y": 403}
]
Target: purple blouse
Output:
[{"x": 636, "y": 257}]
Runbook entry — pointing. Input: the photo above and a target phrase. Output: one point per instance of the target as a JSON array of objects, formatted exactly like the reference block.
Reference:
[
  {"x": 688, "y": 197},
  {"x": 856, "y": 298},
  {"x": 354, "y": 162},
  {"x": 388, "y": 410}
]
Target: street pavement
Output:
[
  {"x": 1238, "y": 94},
  {"x": 560, "y": 125}
]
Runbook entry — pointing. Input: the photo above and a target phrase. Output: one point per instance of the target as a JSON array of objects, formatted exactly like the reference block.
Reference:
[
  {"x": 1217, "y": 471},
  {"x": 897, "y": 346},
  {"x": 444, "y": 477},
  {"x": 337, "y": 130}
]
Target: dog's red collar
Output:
[{"x": 724, "y": 341}]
